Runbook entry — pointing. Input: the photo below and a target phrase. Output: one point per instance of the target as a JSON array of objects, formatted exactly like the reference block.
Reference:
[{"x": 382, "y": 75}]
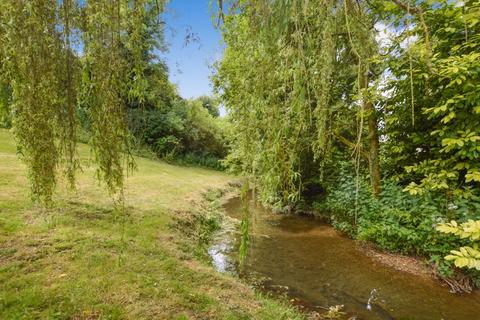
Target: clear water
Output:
[{"x": 316, "y": 267}]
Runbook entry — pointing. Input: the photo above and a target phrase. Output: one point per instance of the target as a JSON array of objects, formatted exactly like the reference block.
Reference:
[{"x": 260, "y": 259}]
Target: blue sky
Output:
[{"x": 188, "y": 63}]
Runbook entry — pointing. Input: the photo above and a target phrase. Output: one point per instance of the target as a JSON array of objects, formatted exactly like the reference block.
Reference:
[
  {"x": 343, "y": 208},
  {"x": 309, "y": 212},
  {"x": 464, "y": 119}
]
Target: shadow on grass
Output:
[{"x": 88, "y": 211}]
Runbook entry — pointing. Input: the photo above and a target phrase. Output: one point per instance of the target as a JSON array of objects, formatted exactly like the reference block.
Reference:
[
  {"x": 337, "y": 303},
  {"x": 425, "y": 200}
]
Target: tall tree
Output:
[{"x": 289, "y": 70}]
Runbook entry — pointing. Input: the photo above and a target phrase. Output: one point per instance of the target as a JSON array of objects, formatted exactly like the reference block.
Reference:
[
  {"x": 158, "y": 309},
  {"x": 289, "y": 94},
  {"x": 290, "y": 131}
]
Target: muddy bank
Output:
[{"x": 414, "y": 265}]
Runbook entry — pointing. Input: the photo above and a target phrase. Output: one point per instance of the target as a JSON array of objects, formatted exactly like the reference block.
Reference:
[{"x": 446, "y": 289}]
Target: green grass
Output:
[{"x": 69, "y": 262}]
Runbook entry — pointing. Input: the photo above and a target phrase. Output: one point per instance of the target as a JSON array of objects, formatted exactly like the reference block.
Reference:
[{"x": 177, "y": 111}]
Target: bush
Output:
[
  {"x": 204, "y": 160},
  {"x": 397, "y": 221},
  {"x": 184, "y": 132}
]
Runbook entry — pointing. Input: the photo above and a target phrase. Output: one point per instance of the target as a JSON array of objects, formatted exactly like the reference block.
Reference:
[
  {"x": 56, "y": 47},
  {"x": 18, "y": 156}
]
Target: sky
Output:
[{"x": 188, "y": 61}]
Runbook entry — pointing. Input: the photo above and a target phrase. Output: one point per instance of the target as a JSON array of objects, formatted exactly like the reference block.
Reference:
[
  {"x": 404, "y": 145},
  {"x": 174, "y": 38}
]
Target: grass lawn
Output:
[{"x": 70, "y": 262}]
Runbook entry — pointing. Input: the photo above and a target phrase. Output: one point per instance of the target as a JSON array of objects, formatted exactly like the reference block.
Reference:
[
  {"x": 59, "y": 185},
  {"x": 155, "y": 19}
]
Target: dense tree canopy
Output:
[{"x": 308, "y": 85}]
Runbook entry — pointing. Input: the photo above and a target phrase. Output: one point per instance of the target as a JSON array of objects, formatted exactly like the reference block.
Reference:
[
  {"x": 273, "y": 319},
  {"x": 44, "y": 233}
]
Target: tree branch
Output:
[
  {"x": 418, "y": 11},
  {"x": 407, "y": 7},
  {"x": 349, "y": 144},
  {"x": 221, "y": 15}
]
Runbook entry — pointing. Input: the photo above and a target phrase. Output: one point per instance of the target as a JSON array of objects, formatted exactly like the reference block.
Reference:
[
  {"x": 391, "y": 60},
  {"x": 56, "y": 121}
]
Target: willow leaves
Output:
[{"x": 57, "y": 54}]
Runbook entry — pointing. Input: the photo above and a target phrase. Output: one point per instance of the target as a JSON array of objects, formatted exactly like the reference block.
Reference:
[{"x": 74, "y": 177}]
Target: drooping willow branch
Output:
[
  {"x": 32, "y": 55},
  {"x": 278, "y": 80},
  {"x": 43, "y": 69},
  {"x": 420, "y": 13},
  {"x": 67, "y": 117},
  {"x": 410, "y": 65},
  {"x": 107, "y": 69}
]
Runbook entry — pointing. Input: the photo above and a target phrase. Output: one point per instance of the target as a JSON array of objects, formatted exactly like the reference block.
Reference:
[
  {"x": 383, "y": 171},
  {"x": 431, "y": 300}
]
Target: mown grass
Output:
[{"x": 78, "y": 261}]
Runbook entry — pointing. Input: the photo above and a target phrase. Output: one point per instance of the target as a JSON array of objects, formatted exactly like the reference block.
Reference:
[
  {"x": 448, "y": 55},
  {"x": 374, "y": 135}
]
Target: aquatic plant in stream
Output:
[{"x": 334, "y": 312}]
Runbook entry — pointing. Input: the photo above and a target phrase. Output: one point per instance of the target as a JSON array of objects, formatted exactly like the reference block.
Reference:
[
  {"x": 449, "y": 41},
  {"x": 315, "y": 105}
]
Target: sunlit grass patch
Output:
[{"x": 79, "y": 259}]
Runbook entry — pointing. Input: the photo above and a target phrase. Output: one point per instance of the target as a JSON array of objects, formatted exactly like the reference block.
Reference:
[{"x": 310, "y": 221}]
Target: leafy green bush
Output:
[
  {"x": 467, "y": 256},
  {"x": 204, "y": 160},
  {"x": 166, "y": 145},
  {"x": 398, "y": 221},
  {"x": 184, "y": 132}
]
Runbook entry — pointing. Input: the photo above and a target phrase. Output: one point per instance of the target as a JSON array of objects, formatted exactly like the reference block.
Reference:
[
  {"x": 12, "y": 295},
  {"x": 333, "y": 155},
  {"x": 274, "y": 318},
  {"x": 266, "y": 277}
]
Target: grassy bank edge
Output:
[{"x": 199, "y": 226}]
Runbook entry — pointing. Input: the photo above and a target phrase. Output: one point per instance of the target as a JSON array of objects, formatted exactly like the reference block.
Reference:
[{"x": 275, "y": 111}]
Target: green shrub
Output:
[
  {"x": 204, "y": 160},
  {"x": 165, "y": 146},
  {"x": 184, "y": 132},
  {"x": 398, "y": 221}
]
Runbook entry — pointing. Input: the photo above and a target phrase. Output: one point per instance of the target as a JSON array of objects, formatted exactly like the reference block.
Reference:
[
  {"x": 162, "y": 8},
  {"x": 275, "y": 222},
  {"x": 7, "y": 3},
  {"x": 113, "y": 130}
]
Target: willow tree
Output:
[
  {"x": 43, "y": 45},
  {"x": 31, "y": 52},
  {"x": 290, "y": 69}
]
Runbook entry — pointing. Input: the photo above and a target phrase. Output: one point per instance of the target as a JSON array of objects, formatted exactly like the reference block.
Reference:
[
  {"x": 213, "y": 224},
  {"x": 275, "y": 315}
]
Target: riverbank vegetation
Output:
[{"x": 366, "y": 110}]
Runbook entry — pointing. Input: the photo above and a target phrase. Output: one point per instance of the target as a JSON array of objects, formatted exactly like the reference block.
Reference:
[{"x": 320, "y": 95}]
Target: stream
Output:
[{"x": 316, "y": 267}]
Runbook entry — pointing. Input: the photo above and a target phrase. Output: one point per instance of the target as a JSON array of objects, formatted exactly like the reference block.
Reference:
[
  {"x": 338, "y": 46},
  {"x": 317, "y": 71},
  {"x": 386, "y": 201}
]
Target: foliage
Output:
[
  {"x": 211, "y": 104},
  {"x": 182, "y": 130},
  {"x": 40, "y": 62},
  {"x": 335, "y": 93},
  {"x": 244, "y": 224},
  {"x": 31, "y": 51},
  {"x": 399, "y": 222},
  {"x": 203, "y": 131},
  {"x": 5, "y": 102},
  {"x": 439, "y": 150},
  {"x": 276, "y": 80},
  {"x": 466, "y": 256},
  {"x": 103, "y": 82}
]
